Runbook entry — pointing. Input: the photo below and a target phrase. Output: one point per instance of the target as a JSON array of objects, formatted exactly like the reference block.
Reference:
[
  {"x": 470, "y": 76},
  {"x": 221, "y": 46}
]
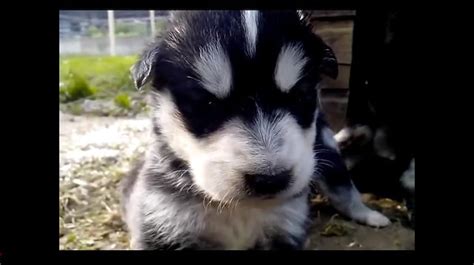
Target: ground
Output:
[{"x": 95, "y": 153}]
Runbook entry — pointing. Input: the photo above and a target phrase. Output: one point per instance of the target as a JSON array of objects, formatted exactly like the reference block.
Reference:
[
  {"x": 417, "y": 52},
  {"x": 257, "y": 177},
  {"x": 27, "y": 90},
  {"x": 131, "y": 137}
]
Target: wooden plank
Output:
[
  {"x": 334, "y": 92},
  {"x": 318, "y": 14},
  {"x": 335, "y": 109}
]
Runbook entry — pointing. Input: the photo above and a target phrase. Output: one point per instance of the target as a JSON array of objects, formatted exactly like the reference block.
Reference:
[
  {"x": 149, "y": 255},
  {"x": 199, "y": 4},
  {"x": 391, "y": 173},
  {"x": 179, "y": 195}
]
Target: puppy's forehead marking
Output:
[
  {"x": 214, "y": 69},
  {"x": 250, "y": 21},
  {"x": 289, "y": 66}
]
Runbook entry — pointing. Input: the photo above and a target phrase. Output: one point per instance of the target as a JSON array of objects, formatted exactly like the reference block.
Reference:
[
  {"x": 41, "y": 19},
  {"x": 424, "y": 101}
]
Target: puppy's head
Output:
[{"x": 234, "y": 95}]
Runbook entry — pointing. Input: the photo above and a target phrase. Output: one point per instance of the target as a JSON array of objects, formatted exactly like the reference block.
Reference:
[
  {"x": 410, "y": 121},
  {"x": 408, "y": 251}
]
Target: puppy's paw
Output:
[
  {"x": 376, "y": 219},
  {"x": 344, "y": 137},
  {"x": 358, "y": 135}
]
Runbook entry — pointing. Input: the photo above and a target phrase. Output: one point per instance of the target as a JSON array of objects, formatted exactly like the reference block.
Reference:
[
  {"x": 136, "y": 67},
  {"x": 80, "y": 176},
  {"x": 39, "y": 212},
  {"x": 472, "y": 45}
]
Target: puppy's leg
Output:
[
  {"x": 282, "y": 242},
  {"x": 287, "y": 243},
  {"x": 151, "y": 240},
  {"x": 408, "y": 178},
  {"x": 333, "y": 178},
  {"x": 408, "y": 183}
]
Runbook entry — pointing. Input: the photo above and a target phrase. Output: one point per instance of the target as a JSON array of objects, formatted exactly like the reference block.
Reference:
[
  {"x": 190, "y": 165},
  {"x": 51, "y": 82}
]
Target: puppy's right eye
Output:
[
  {"x": 205, "y": 104},
  {"x": 197, "y": 103},
  {"x": 203, "y": 113}
]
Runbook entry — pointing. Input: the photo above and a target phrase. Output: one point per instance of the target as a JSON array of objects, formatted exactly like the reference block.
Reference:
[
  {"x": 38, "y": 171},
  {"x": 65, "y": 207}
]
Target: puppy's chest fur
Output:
[
  {"x": 246, "y": 227},
  {"x": 193, "y": 224}
]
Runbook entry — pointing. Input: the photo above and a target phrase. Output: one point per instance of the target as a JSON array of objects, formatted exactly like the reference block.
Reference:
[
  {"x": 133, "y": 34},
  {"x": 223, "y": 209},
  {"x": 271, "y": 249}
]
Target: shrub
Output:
[
  {"x": 75, "y": 87},
  {"x": 123, "y": 100},
  {"x": 101, "y": 76}
]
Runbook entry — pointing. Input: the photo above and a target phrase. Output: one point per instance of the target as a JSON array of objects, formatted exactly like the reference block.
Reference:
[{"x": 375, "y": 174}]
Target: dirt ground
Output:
[{"x": 95, "y": 153}]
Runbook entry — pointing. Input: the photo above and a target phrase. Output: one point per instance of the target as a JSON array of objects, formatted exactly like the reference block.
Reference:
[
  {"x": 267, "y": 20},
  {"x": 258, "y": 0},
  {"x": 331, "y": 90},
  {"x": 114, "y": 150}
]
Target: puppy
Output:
[
  {"x": 238, "y": 137},
  {"x": 378, "y": 142}
]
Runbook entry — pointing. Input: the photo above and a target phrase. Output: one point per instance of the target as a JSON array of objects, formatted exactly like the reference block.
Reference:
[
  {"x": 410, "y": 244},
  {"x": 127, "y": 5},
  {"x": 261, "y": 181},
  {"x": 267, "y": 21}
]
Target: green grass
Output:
[
  {"x": 94, "y": 76},
  {"x": 123, "y": 100},
  {"x": 76, "y": 87}
]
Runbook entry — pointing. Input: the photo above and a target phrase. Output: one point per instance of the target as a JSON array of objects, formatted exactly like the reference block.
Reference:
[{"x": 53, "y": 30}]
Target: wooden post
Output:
[
  {"x": 110, "y": 15},
  {"x": 152, "y": 23}
]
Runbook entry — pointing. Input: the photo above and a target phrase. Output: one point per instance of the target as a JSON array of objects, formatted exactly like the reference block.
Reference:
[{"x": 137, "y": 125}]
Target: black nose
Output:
[{"x": 264, "y": 185}]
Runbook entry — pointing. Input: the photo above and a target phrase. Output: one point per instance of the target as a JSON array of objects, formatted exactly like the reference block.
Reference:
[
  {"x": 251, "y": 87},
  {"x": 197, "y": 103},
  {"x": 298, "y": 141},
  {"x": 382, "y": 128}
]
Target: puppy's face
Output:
[{"x": 234, "y": 95}]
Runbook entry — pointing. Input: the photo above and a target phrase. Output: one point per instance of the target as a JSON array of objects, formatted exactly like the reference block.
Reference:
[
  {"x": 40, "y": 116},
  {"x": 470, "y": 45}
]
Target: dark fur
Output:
[{"x": 385, "y": 103}]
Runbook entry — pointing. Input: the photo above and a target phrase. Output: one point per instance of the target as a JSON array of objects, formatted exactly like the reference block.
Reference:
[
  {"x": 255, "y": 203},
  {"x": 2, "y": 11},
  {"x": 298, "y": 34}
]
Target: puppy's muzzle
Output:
[{"x": 261, "y": 185}]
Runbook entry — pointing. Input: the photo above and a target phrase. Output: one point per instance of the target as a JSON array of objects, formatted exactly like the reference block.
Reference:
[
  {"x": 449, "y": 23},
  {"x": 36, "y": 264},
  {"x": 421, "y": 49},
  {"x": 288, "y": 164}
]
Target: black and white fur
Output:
[{"x": 238, "y": 136}]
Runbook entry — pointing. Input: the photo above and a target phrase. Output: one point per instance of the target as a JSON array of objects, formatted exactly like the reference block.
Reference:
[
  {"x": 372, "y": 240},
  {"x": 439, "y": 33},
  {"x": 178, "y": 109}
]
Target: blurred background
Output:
[
  {"x": 96, "y": 50},
  {"x": 104, "y": 126},
  {"x": 104, "y": 32},
  {"x": 98, "y": 47}
]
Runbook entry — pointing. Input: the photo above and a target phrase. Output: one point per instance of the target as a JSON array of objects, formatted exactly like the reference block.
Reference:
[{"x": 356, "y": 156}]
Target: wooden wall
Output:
[{"x": 335, "y": 28}]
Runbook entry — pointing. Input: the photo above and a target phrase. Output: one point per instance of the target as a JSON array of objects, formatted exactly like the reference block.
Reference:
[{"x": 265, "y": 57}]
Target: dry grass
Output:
[
  {"x": 89, "y": 209},
  {"x": 95, "y": 155}
]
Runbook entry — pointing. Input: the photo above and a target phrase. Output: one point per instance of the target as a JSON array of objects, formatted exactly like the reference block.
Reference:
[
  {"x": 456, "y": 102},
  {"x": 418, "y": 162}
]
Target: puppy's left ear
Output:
[
  {"x": 142, "y": 71},
  {"x": 329, "y": 65}
]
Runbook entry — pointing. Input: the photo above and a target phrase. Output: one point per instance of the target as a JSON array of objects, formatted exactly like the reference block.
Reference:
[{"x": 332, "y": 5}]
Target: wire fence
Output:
[{"x": 123, "y": 32}]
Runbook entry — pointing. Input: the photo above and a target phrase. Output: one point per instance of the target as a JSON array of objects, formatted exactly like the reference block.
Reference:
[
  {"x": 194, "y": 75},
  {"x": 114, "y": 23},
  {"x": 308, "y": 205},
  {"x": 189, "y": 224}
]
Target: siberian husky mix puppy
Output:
[
  {"x": 238, "y": 137},
  {"x": 378, "y": 141}
]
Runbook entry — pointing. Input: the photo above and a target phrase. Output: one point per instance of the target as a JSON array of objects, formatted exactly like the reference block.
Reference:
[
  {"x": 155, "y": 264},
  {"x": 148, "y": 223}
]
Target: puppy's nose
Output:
[{"x": 264, "y": 185}]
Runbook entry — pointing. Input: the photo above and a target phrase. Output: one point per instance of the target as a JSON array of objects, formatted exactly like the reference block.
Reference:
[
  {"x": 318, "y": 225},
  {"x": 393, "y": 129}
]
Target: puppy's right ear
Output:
[{"x": 142, "y": 71}]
